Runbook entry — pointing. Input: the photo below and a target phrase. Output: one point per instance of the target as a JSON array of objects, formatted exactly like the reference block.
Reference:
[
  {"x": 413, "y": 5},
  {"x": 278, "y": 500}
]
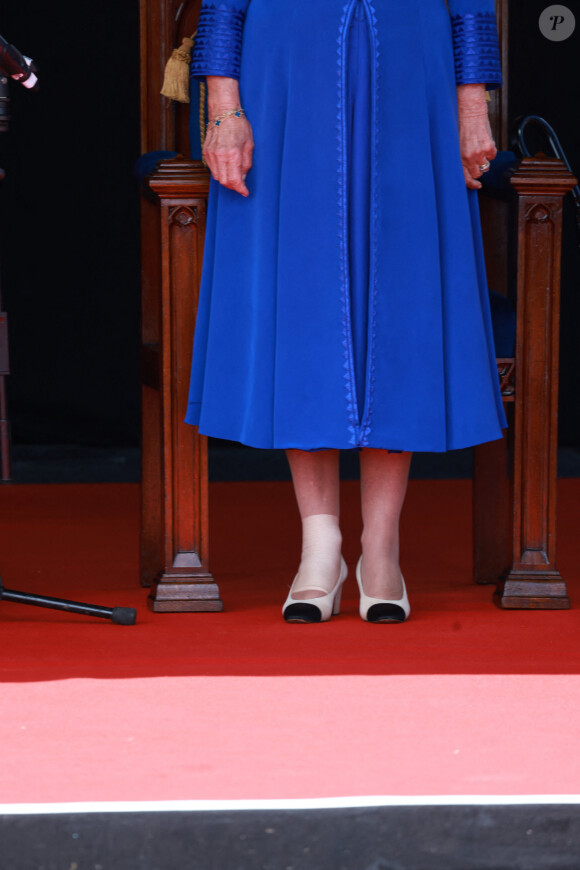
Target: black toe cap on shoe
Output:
[
  {"x": 386, "y": 613},
  {"x": 302, "y": 612}
]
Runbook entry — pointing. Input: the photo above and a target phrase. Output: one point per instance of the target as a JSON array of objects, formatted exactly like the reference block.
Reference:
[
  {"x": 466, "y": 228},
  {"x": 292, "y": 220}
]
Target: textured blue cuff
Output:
[
  {"x": 218, "y": 43},
  {"x": 476, "y": 49}
]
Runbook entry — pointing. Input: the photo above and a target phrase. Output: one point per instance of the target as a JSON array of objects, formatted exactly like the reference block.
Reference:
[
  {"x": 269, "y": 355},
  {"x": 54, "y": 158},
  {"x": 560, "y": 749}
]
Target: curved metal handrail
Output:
[{"x": 555, "y": 145}]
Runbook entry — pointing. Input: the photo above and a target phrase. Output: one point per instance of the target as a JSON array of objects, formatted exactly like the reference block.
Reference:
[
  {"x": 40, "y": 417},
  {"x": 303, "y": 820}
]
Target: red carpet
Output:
[
  {"x": 82, "y": 542},
  {"x": 463, "y": 700}
]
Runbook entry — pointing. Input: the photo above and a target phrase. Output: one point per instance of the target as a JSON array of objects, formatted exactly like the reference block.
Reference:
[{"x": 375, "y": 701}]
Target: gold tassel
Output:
[
  {"x": 176, "y": 79},
  {"x": 176, "y": 82}
]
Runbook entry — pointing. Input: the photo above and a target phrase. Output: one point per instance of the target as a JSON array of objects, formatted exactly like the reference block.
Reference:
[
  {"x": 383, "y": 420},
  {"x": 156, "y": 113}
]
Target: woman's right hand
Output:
[
  {"x": 228, "y": 152},
  {"x": 475, "y": 139},
  {"x": 228, "y": 148}
]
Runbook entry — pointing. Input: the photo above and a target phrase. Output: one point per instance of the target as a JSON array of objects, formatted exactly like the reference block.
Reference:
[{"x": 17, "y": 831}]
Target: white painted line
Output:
[{"x": 197, "y": 806}]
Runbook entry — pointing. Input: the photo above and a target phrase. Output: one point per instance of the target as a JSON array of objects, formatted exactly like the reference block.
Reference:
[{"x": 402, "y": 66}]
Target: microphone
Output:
[
  {"x": 17, "y": 66},
  {"x": 4, "y": 104}
]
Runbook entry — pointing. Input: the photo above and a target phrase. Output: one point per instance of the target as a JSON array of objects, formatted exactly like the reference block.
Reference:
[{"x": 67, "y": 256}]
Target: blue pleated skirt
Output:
[
  {"x": 359, "y": 171},
  {"x": 359, "y": 85},
  {"x": 344, "y": 303}
]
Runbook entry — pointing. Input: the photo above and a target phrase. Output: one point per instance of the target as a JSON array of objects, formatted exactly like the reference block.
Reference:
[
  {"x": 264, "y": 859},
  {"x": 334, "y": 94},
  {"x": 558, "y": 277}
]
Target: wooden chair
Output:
[
  {"x": 514, "y": 502},
  {"x": 174, "y": 548},
  {"x": 515, "y": 513}
]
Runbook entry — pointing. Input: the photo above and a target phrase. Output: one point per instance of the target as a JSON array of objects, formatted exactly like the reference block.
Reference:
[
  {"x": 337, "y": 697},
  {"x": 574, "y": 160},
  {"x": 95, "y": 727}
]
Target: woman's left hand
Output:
[{"x": 475, "y": 139}]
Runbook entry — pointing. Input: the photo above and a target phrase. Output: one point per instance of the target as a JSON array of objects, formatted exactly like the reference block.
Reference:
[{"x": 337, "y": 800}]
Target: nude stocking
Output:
[
  {"x": 384, "y": 478},
  {"x": 316, "y": 484}
]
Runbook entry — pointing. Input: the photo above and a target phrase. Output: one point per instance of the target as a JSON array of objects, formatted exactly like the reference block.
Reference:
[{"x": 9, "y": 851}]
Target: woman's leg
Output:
[
  {"x": 384, "y": 478},
  {"x": 316, "y": 484}
]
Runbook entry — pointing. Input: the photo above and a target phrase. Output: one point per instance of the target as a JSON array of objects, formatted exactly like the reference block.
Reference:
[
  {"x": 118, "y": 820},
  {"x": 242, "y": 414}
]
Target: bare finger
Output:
[{"x": 470, "y": 181}]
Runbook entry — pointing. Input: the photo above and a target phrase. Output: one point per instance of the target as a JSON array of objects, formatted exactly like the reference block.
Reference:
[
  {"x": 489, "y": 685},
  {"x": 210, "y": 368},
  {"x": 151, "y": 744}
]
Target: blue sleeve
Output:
[
  {"x": 475, "y": 42},
  {"x": 218, "y": 43}
]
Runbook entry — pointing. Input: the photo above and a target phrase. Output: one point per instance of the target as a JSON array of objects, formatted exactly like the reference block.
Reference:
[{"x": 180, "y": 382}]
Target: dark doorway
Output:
[{"x": 69, "y": 225}]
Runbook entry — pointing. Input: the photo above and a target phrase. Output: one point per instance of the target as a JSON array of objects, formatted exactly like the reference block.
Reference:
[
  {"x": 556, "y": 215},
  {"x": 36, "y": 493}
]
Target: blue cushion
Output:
[
  {"x": 194, "y": 132},
  {"x": 147, "y": 163},
  {"x": 503, "y": 314},
  {"x": 503, "y": 318},
  {"x": 494, "y": 181}
]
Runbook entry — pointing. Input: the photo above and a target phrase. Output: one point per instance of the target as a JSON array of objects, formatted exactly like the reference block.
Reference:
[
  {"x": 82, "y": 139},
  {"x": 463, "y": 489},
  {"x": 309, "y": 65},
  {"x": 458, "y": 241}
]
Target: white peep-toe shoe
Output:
[
  {"x": 381, "y": 609},
  {"x": 316, "y": 609}
]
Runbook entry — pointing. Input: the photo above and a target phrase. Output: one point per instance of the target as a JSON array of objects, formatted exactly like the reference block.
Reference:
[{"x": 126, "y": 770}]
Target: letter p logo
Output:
[{"x": 557, "y": 23}]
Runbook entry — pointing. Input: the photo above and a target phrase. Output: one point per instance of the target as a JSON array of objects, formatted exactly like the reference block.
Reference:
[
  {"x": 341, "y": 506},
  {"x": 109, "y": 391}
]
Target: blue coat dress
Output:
[{"x": 344, "y": 304}]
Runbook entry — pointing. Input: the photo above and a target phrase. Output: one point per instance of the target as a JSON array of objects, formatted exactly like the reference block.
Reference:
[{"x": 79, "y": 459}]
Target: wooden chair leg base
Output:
[
  {"x": 527, "y": 594},
  {"x": 174, "y": 594}
]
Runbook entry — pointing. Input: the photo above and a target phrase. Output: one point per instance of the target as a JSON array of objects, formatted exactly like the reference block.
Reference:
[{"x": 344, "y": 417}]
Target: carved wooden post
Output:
[
  {"x": 533, "y": 580},
  {"x": 491, "y": 494},
  {"x": 175, "y": 488}
]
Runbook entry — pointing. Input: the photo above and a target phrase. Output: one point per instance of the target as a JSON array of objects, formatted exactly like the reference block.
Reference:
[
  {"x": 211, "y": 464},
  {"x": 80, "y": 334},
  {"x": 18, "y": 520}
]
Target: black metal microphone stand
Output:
[{"x": 118, "y": 615}]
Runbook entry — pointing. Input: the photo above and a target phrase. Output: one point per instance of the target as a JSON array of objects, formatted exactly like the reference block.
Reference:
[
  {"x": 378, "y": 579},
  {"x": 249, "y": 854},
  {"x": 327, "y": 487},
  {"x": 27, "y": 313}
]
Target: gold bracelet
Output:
[{"x": 235, "y": 113}]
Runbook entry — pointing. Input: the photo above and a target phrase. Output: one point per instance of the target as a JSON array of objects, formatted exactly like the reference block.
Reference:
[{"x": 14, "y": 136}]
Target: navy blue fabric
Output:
[
  {"x": 503, "y": 318},
  {"x": 145, "y": 165},
  {"x": 194, "y": 120},
  {"x": 278, "y": 335},
  {"x": 494, "y": 181}
]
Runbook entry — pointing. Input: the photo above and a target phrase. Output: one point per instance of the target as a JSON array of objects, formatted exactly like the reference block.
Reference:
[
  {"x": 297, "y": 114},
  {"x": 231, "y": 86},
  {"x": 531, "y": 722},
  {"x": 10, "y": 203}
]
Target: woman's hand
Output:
[
  {"x": 228, "y": 149},
  {"x": 475, "y": 139}
]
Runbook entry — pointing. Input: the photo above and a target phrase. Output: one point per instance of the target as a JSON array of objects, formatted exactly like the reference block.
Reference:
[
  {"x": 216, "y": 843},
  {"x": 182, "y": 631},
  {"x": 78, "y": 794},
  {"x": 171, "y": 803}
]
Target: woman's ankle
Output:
[
  {"x": 380, "y": 568},
  {"x": 321, "y": 556}
]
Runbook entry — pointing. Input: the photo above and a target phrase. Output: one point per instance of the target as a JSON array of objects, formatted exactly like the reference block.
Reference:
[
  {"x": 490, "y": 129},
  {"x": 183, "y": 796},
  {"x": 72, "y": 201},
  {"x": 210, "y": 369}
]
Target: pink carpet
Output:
[{"x": 268, "y": 738}]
